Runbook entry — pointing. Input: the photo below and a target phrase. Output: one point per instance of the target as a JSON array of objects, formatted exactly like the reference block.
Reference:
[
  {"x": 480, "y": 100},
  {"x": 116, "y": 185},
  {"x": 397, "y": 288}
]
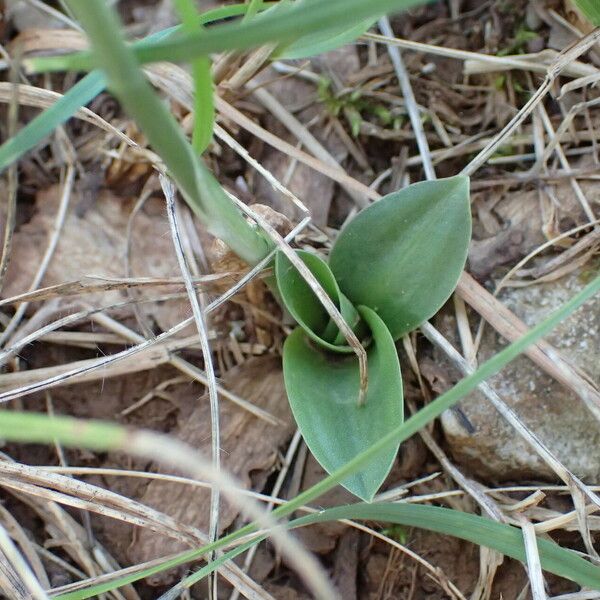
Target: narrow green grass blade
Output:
[
  {"x": 324, "y": 40},
  {"x": 212, "y": 566},
  {"x": 39, "y": 428},
  {"x": 85, "y": 91},
  {"x": 282, "y": 26},
  {"x": 254, "y": 6},
  {"x": 101, "y": 588},
  {"x": 62, "y": 110},
  {"x": 482, "y": 531},
  {"x": 591, "y": 10},
  {"x": 44, "y": 124},
  {"x": 197, "y": 184},
  {"x": 505, "y": 539},
  {"x": 204, "y": 106},
  {"x": 286, "y": 25}
]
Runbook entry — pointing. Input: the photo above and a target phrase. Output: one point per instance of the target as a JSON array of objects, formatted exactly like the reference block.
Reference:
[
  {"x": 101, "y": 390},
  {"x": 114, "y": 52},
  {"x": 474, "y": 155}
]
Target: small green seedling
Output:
[{"x": 391, "y": 268}]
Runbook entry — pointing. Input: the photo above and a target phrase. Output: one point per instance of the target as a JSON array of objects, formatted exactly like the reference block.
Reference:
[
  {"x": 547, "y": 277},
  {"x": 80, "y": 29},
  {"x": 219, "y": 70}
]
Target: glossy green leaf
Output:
[
  {"x": 591, "y": 10},
  {"x": 305, "y": 307},
  {"x": 322, "y": 389},
  {"x": 403, "y": 255}
]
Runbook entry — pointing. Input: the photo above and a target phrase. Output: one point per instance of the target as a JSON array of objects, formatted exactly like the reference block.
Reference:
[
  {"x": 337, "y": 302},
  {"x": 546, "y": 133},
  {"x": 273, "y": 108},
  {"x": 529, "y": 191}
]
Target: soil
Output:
[{"x": 511, "y": 217}]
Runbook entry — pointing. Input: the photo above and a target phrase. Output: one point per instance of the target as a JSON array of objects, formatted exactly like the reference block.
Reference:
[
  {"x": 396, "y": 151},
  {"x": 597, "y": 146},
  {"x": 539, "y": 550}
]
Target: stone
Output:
[{"x": 495, "y": 451}]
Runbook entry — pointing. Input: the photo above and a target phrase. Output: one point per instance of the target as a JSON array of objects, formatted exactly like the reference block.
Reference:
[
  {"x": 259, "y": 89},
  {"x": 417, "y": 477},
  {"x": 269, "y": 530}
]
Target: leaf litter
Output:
[{"x": 513, "y": 218}]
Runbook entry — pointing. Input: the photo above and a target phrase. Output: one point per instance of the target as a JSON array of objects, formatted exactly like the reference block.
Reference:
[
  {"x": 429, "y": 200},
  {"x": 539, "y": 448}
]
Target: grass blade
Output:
[
  {"x": 482, "y": 531},
  {"x": 86, "y": 90},
  {"x": 44, "y": 124},
  {"x": 591, "y": 10},
  {"x": 198, "y": 186},
  {"x": 83, "y": 92},
  {"x": 285, "y": 25},
  {"x": 204, "y": 106}
]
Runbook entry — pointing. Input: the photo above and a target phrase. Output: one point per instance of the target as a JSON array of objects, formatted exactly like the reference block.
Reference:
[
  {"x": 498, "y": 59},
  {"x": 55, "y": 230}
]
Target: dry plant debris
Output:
[{"x": 333, "y": 133}]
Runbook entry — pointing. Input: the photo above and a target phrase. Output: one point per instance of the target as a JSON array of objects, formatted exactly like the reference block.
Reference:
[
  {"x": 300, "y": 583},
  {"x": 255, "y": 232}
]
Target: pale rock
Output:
[{"x": 495, "y": 451}]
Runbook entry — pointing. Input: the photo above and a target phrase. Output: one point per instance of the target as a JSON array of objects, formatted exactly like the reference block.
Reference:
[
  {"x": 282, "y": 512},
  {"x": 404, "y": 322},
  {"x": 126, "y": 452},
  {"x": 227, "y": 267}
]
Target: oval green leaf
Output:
[
  {"x": 305, "y": 307},
  {"x": 403, "y": 255},
  {"x": 322, "y": 389}
]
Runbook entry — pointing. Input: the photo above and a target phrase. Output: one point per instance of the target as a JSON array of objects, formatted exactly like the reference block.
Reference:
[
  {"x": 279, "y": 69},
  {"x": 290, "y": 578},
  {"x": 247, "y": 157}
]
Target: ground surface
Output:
[{"x": 350, "y": 101}]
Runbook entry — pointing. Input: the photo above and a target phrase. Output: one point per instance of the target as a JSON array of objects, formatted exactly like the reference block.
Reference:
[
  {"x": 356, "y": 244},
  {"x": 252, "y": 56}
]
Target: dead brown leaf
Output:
[
  {"x": 523, "y": 221},
  {"x": 93, "y": 243},
  {"x": 250, "y": 448}
]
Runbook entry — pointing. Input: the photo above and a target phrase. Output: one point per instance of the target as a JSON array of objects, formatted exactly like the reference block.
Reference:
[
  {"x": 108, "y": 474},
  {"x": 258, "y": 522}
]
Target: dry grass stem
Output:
[
  {"x": 52, "y": 243},
  {"x": 475, "y": 61},
  {"x": 200, "y": 321},
  {"x": 308, "y": 139},
  {"x": 20, "y": 567},
  {"x": 92, "y": 284},
  {"x": 10, "y": 215},
  {"x": 16, "y": 532},
  {"x": 534, "y": 567},
  {"x": 542, "y": 354},
  {"x": 565, "y": 164},
  {"x": 409, "y": 99},
  {"x": 563, "y": 59}
]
